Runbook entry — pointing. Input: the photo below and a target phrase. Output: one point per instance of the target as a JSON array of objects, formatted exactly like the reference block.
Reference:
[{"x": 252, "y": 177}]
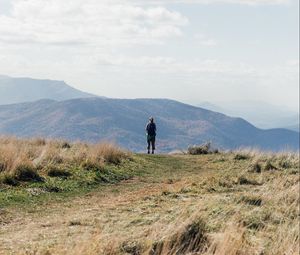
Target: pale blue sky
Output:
[{"x": 192, "y": 50}]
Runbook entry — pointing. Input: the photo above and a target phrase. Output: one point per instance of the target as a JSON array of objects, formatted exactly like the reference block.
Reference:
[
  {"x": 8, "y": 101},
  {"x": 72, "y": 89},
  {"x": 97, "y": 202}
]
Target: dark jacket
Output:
[{"x": 151, "y": 129}]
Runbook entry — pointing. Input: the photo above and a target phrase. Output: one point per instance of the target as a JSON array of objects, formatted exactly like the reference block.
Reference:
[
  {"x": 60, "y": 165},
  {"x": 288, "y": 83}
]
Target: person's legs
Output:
[
  {"x": 153, "y": 144},
  {"x": 148, "y": 147}
]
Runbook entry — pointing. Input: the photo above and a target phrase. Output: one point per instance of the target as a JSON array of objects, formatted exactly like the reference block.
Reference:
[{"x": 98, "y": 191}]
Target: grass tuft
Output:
[
  {"x": 75, "y": 223},
  {"x": 131, "y": 247},
  {"x": 8, "y": 179},
  {"x": 251, "y": 200},
  {"x": 241, "y": 157},
  {"x": 255, "y": 168},
  {"x": 189, "y": 240},
  {"x": 243, "y": 180},
  {"x": 26, "y": 172},
  {"x": 92, "y": 166},
  {"x": 65, "y": 145},
  {"x": 285, "y": 164},
  {"x": 269, "y": 166},
  {"x": 54, "y": 171},
  {"x": 2, "y": 167}
]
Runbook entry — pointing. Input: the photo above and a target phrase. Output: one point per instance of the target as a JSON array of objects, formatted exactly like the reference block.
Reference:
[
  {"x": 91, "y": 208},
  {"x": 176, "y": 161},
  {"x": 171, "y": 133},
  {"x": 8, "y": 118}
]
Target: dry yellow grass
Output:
[
  {"x": 37, "y": 154},
  {"x": 235, "y": 203}
]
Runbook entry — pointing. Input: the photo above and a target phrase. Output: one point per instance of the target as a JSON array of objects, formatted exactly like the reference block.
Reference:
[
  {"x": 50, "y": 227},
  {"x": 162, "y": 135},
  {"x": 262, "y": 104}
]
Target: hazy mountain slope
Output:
[
  {"x": 123, "y": 121},
  {"x": 261, "y": 114},
  {"x": 295, "y": 127},
  {"x": 18, "y": 90}
]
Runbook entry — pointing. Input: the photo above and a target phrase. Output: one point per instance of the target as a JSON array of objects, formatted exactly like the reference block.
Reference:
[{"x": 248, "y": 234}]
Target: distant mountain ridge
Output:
[
  {"x": 261, "y": 114},
  {"x": 19, "y": 90},
  {"x": 123, "y": 121}
]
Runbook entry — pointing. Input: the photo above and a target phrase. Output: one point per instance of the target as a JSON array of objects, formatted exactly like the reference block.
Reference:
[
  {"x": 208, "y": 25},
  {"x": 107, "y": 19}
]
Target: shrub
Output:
[{"x": 201, "y": 149}]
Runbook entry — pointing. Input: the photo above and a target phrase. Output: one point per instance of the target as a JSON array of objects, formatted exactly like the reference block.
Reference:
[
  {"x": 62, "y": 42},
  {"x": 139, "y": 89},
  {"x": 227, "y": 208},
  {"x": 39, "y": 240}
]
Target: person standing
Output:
[{"x": 151, "y": 134}]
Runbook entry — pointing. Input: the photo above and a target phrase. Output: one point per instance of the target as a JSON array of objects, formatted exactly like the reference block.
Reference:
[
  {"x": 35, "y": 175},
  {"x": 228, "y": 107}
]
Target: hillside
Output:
[
  {"x": 261, "y": 114},
  {"x": 62, "y": 198},
  {"x": 19, "y": 90},
  {"x": 123, "y": 121},
  {"x": 295, "y": 127}
]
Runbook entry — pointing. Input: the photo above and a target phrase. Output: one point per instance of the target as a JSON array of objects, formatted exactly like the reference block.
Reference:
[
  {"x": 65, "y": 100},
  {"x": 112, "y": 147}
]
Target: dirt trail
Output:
[{"x": 128, "y": 206}]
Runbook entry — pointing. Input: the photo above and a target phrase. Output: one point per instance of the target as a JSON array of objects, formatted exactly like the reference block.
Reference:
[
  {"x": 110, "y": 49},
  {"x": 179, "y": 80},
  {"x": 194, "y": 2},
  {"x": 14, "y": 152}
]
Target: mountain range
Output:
[
  {"x": 261, "y": 114},
  {"x": 74, "y": 115},
  {"x": 123, "y": 120},
  {"x": 19, "y": 90}
]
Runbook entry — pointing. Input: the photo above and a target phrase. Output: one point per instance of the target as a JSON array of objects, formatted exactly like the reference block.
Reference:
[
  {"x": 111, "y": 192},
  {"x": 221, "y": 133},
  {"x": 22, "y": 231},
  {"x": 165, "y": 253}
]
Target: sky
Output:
[{"x": 188, "y": 50}]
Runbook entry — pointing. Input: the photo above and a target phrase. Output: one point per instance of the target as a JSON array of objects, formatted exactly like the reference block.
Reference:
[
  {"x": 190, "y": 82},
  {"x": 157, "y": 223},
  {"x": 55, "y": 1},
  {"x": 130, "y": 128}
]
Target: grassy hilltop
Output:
[{"x": 62, "y": 198}]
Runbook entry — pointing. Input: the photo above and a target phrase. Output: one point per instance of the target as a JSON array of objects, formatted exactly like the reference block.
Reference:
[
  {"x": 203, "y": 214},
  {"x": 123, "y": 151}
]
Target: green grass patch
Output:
[{"x": 58, "y": 182}]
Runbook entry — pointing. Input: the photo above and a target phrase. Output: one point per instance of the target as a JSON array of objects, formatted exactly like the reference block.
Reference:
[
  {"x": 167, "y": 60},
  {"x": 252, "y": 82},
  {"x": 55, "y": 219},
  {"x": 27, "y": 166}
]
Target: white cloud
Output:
[
  {"x": 168, "y": 65},
  {"x": 203, "y": 40},
  {"x": 243, "y": 2},
  {"x": 90, "y": 22},
  {"x": 125, "y": 48},
  {"x": 293, "y": 64}
]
